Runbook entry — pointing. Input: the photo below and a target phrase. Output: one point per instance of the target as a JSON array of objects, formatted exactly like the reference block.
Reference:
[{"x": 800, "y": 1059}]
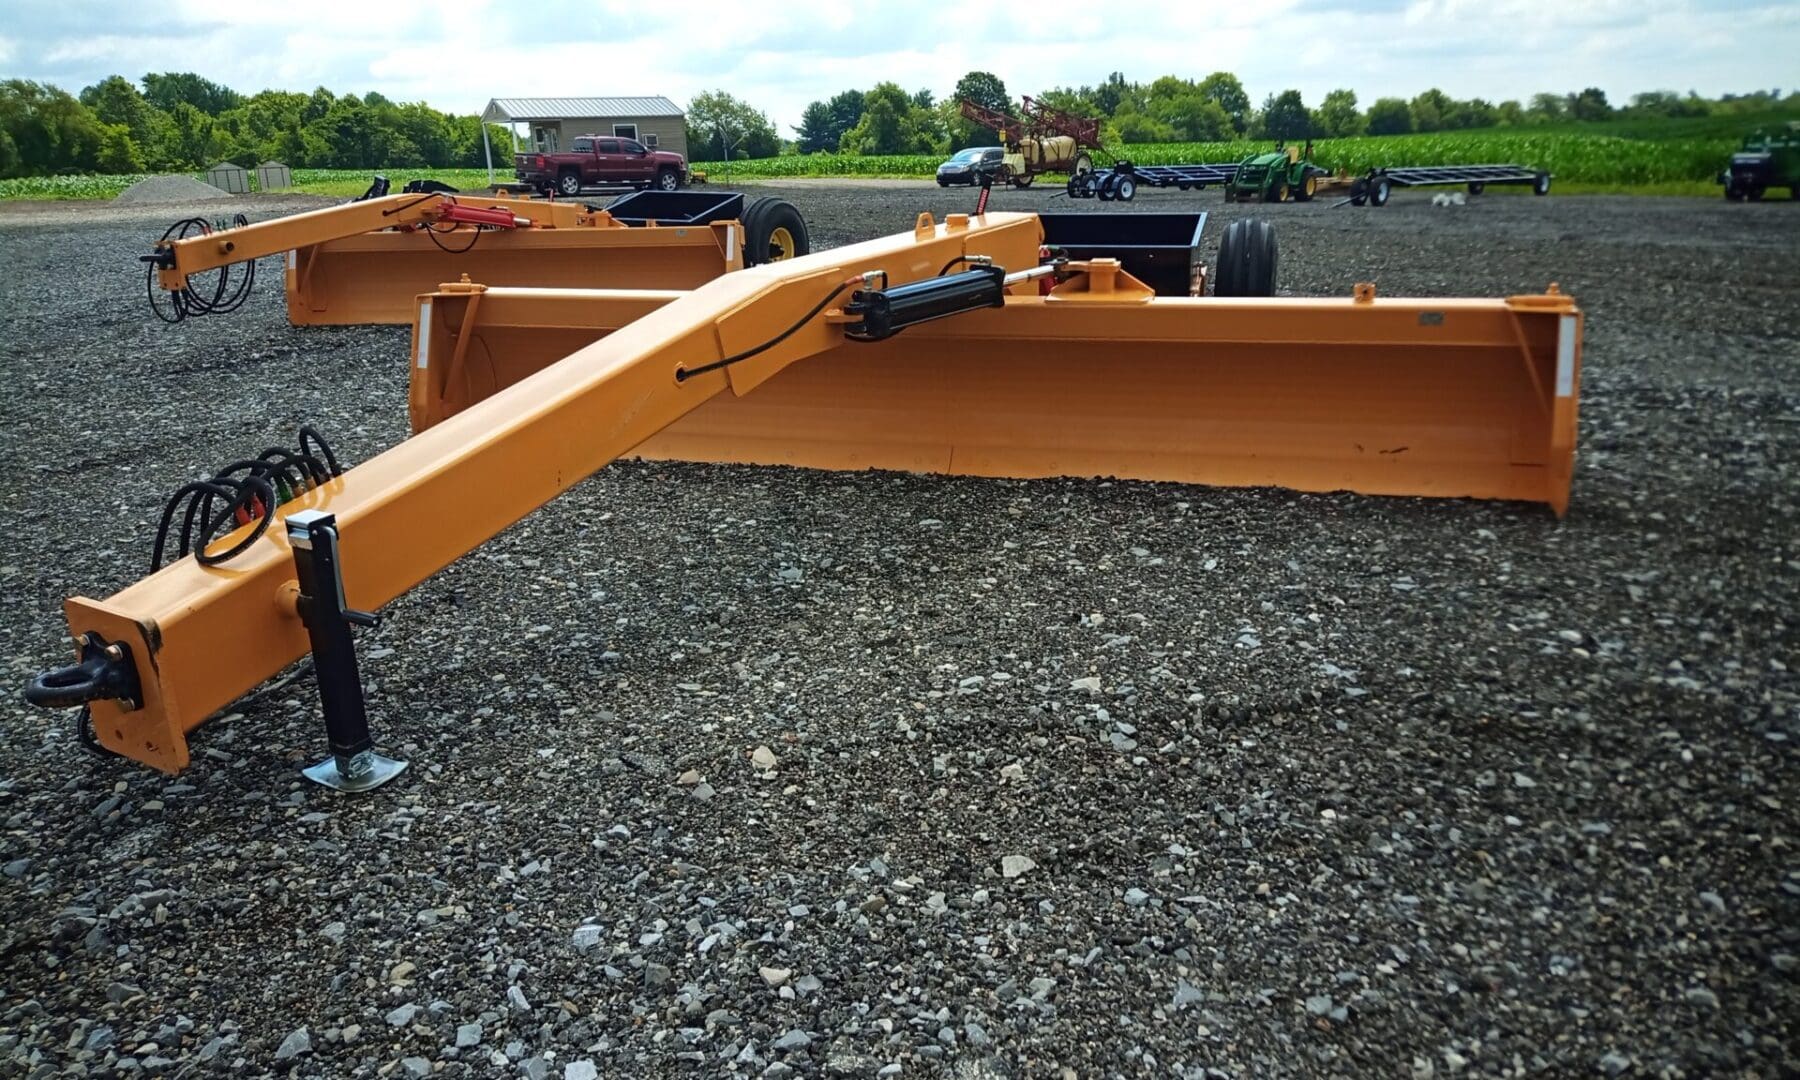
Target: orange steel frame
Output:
[
  {"x": 377, "y": 277},
  {"x": 1391, "y": 397},
  {"x": 202, "y": 636},
  {"x": 366, "y": 262}
]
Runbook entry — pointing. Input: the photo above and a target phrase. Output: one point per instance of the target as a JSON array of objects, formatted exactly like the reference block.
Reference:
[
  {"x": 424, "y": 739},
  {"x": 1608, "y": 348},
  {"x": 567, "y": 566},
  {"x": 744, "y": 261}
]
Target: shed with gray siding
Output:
[{"x": 553, "y": 123}]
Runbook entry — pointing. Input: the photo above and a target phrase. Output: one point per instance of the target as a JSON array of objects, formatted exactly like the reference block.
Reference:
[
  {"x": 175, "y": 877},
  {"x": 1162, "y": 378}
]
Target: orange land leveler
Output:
[
  {"x": 929, "y": 350},
  {"x": 365, "y": 261}
]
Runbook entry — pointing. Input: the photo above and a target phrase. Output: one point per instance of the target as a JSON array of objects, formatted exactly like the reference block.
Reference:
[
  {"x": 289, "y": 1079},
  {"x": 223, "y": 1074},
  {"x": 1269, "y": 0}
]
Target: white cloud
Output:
[{"x": 456, "y": 54}]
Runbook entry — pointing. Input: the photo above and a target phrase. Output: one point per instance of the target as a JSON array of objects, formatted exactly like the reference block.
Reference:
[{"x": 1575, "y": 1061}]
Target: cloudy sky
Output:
[{"x": 455, "y": 54}]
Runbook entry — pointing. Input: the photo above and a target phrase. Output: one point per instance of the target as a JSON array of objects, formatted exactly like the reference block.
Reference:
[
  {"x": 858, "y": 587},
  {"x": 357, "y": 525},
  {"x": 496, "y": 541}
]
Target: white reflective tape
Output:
[
  {"x": 424, "y": 333},
  {"x": 1565, "y": 357},
  {"x": 293, "y": 258},
  {"x": 730, "y": 244}
]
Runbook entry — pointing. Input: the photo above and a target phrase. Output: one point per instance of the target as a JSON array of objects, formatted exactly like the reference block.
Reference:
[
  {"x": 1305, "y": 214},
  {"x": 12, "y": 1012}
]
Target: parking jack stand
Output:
[{"x": 353, "y": 765}]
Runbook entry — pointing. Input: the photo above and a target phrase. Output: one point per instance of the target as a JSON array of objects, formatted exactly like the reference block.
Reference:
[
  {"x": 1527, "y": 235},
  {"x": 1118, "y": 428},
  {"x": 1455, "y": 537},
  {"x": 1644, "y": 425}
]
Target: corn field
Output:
[
  {"x": 306, "y": 182},
  {"x": 1582, "y": 159},
  {"x": 66, "y": 187},
  {"x": 1600, "y": 160}
]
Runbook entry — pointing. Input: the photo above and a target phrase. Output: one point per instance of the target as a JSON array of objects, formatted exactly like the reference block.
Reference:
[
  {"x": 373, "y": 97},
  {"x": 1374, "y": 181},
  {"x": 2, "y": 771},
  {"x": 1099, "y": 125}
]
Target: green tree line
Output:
[
  {"x": 181, "y": 121},
  {"x": 888, "y": 120}
]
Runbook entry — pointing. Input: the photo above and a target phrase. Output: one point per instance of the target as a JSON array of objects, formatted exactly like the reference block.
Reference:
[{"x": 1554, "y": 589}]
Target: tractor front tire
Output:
[
  {"x": 1308, "y": 187},
  {"x": 774, "y": 231},
  {"x": 1248, "y": 260},
  {"x": 1276, "y": 191}
]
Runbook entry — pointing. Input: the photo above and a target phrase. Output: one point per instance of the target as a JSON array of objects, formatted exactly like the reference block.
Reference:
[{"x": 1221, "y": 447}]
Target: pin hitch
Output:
[
  {"x": 105, "y": 673},
  {"x": 353, "y": 765}
]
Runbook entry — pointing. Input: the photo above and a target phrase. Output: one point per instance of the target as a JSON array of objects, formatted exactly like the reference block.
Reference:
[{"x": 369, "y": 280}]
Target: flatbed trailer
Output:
[
  {"x": 1124, "y": 178},
  {"x": 1475, "y": 176},
  {"x": 1185, "y": 177},
  {"x": 1373, "y": 187}
]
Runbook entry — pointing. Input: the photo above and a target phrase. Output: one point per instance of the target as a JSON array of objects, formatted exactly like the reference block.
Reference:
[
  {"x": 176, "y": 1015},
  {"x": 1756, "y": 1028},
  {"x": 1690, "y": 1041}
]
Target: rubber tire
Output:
[
  {"x": 1249, "y": 260},
  {"x": 667, "y": 180},
  {"x": 1379, "y": 191},
  {"x": 1476, "y": 187},
  {"x": 1024, "y": 181},
  {"x": 1105, "y": 188},
  {"x": 1125, "y": 189},
  {"x": 569, "y": 184},
  {"x": 943, "y": 183},
  {"x": 1541, "y": 184},
  {"x": 1081, "y": 164},
  {"x": 1733, "y": 193},
  {"x": 1074, "y": 187},
  {"x": 1276, "y": 191},
  {"x": 1301, "y": 193},
  {"x": 761, "y": 218},
  {"x": 1754, "y": 194}
]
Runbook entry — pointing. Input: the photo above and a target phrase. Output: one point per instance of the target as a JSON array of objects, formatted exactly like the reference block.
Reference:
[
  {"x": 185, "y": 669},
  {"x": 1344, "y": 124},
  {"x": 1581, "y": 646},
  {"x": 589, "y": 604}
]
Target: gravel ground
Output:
[{"x": 766, "y": 772}]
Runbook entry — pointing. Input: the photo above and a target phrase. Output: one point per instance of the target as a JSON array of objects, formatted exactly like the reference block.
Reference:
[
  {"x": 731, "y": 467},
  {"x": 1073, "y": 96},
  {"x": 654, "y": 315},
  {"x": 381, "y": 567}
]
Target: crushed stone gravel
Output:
[
  {"x": 1047, "y": 778},
  {"x": 169, "y": 189}
]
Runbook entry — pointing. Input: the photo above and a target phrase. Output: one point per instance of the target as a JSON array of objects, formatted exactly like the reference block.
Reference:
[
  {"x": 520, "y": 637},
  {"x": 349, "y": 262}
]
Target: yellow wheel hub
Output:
[
  {"x": 1312, "y": 185},
  {"x": 781, "y": 245}
]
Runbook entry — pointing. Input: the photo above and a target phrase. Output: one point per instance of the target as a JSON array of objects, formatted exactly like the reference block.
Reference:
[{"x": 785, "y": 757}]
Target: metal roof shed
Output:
[{"x": 525, "y": 110}]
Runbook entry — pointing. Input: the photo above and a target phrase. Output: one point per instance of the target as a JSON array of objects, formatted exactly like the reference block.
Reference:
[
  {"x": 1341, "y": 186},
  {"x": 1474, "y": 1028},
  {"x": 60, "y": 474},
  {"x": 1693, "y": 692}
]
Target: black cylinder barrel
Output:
[{"x": 889, "y": 311}]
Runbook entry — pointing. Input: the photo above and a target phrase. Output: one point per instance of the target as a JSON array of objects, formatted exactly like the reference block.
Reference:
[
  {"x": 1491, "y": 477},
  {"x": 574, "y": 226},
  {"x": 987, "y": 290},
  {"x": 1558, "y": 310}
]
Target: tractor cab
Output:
[
  {"x": 1275, "y": 175},
  {"x": 1767, "y": 159}
]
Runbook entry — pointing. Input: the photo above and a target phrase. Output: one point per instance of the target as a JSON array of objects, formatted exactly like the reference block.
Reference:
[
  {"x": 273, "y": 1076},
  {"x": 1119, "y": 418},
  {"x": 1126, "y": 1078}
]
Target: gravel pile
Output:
[
  {"x": 169, "y": 189},
  {"x": 738, "y": 771}
]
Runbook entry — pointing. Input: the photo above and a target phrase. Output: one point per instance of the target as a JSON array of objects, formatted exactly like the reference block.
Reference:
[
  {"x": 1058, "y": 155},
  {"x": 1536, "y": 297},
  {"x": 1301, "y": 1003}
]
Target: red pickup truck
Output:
[{"x": 596, "y": 160}]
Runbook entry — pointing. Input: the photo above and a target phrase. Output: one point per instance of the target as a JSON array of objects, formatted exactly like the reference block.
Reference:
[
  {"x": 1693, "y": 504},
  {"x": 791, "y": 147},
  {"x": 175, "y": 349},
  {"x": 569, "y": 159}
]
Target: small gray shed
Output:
[
  {"x": 273, "y": 176},
  {"x": 229, "y": 176}
]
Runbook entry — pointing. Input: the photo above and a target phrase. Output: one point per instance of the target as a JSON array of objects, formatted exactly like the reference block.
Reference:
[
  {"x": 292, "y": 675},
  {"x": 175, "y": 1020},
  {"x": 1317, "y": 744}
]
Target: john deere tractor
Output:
[
  {"x": 1764, "y": 161},
  {"x": 1275, "y": 176}
]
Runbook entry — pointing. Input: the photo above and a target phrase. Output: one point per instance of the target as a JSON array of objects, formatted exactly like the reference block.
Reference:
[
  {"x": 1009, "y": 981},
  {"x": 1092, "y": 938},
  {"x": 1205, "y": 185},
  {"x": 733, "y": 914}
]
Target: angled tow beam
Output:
[{"x": 198, "y": 637}]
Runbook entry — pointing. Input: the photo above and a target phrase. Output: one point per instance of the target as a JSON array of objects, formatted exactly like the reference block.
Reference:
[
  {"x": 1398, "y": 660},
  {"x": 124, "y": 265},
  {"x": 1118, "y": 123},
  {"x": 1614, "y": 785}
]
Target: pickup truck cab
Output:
[{"x": 595, "y": 160}]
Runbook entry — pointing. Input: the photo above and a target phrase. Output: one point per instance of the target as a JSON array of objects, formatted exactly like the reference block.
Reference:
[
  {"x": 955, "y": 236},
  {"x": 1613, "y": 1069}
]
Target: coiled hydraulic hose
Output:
[
  {"x": 244, "y": 492},
  {"x": 219, "y": 292}
]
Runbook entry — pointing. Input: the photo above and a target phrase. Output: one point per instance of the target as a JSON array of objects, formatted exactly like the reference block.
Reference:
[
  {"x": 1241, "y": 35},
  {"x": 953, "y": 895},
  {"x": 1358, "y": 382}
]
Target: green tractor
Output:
[
  {"x": 1764, "y": 161},
  {"x": 1275, "y": 176}
]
